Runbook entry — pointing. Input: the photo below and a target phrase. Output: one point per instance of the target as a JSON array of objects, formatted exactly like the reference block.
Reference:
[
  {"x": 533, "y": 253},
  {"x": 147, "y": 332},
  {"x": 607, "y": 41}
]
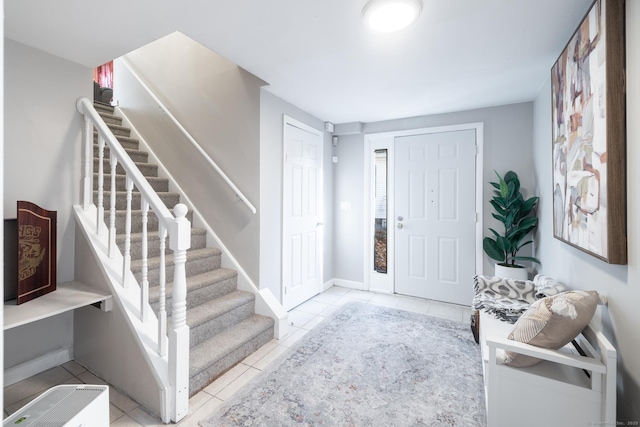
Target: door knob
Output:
[{"x": 400, "y": 226}]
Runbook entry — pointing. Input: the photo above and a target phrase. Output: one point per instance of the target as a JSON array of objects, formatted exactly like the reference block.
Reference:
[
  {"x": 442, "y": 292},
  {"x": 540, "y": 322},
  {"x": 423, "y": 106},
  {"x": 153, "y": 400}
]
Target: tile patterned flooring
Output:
[{"x": 126, "y": 412}]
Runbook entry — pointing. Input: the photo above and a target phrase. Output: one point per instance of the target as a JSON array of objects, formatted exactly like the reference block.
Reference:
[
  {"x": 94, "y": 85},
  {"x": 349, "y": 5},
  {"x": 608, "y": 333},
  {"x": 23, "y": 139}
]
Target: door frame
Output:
[
  {"x": 385, "y": 283},
  {"x": 285, "y": 266}
]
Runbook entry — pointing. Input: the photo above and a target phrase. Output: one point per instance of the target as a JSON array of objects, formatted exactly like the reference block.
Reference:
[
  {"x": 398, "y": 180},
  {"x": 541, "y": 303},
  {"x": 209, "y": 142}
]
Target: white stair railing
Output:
[{"x": 179, "y": 232}]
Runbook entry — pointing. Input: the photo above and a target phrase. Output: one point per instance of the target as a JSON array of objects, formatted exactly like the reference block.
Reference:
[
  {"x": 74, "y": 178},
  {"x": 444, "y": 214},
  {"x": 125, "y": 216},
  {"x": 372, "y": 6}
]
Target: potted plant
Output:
[{"x": 518, "y": 217}]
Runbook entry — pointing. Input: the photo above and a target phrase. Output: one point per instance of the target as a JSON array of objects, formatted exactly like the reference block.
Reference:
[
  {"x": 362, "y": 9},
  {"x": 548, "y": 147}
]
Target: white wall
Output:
[
  {"x": 272, "y": 110},
  {"x": 42, "y": 132},
  {"x": 219, "y": 104},
  {"x": 507, "y": 146},
  {"x": 103, "y": 341},
  {"x": 582, "y": 271}
]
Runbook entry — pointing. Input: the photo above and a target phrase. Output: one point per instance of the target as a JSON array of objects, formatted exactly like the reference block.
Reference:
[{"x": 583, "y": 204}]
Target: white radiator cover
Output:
[{"x": 65, "y": 405}]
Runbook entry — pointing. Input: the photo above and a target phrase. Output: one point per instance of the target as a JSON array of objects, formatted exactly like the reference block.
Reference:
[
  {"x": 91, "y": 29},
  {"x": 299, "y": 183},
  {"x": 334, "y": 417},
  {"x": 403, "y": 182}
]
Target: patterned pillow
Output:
[{"x": 552, "y": 322}]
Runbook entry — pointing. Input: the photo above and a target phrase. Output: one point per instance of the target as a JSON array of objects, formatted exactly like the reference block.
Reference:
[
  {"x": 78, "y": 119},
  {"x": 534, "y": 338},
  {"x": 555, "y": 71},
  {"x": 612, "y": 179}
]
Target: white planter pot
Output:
[{"x": 511, "y": 272}]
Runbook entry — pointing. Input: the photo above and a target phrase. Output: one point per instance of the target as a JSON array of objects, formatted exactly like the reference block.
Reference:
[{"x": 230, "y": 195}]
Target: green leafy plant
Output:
[{"x": 518, "y": 217}]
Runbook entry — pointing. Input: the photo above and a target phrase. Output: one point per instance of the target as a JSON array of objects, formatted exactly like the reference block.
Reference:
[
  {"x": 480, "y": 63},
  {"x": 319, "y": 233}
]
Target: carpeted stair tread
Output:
[
  {"x": 136, "y": 220},
  {"x": 226, "y": 343},
  {"x": 119, "y": 129},
  {"x": 110, "y": 118},
  {"x": 192, "y": 255},
  {"x": 147, "y": 169},
  {"x": 170, "y": 199},
  {"x": 218, "y": 307},
  {"x": 210, "y": 279},
  {"x": 157, "y": 183},
  {"x": 137, "y": 237},
  {"x": 100, "y": 106},
  {"x": 198, "y": 241},
  {"x": 125, "y": 141},
  {"x": 135, "y": 154}
]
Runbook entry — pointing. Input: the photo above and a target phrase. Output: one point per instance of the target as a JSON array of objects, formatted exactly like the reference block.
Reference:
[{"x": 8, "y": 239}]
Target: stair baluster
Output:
[
  {"x": 126, "y": 265},
  {"x": 112, "y": 218},
  {"x": 162, "y": 310},
  {"x": 100, "y": 219},
  {"x": 144, "y": 284}
]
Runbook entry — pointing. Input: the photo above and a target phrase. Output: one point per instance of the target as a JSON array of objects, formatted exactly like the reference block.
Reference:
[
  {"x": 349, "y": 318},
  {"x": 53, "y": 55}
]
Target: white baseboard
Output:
[
  {"x": 349, "y": 284},
  {"x": 40, "y": 364},
  {"x": 327, "y": 285}
]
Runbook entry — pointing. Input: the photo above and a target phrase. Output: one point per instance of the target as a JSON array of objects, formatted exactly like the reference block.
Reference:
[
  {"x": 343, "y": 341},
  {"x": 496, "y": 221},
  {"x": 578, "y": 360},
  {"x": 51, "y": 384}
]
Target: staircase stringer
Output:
[
  {"x": 144, "y": 333},
  {"x": 266, "y": 303}
]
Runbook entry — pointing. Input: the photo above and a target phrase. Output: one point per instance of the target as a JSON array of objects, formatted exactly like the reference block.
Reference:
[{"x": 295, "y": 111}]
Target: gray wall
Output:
[
  {"x": 219, "y": 104},
  {"x": 581, "y": 271},
  {"x": 272, "y": 110},
  {"x": 507, "y": 145},
  {"x": 42, "y": 134}
]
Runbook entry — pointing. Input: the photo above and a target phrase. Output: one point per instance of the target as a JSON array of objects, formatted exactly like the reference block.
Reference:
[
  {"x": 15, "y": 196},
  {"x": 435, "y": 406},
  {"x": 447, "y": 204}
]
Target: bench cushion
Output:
[{"x": 551, "y": 323}]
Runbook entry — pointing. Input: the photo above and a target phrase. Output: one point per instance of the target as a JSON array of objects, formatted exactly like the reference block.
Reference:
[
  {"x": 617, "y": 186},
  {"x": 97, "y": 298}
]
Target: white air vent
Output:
[{"x": 65, "y": 405}]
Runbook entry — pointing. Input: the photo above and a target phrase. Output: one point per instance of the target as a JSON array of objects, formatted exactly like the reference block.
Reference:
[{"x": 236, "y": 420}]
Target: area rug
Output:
[{"x": 367, "y": 366}]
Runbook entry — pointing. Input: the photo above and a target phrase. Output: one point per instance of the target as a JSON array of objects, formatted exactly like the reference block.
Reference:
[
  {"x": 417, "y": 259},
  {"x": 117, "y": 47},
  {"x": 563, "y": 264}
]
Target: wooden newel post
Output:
[{"x": 180, "y": 241}]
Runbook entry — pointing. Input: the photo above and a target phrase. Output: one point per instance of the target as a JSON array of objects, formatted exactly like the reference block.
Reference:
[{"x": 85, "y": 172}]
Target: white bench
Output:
[{"x": 556, "y": 391}]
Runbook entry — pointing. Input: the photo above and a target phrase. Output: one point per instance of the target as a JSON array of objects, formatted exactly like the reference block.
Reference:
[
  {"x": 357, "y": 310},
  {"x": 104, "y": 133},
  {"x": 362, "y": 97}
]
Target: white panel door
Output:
[
  {"x": 302, "y": 242},
  {"x": 435, "y": 215}
]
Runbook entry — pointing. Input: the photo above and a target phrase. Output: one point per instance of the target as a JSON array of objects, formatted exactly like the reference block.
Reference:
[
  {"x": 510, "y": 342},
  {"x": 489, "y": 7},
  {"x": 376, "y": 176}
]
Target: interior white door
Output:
[
  {"x": 302, "y": 194},
  {"x": 435, "y": 215}
]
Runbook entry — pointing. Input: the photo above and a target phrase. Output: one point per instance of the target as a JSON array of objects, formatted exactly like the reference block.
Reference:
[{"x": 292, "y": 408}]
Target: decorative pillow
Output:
[{"x": 551, "y": 323}]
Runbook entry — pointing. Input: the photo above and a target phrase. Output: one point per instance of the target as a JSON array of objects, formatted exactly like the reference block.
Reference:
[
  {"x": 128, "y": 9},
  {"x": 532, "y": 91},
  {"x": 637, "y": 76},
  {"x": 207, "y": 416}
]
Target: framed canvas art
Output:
[{"x": 589, "y": 133}]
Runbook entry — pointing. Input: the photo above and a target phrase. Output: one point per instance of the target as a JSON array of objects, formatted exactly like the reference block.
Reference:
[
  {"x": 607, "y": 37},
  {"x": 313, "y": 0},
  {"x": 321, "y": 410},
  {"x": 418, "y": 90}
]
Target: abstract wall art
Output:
[{"x": 589, "y": 133}]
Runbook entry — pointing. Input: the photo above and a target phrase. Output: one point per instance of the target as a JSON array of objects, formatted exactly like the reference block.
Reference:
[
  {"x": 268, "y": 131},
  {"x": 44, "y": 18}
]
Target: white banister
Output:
[
  {"x": 173, "y": 343},
  {"x": 186, "y": 133},
  {"x": 179, "y": 333}
]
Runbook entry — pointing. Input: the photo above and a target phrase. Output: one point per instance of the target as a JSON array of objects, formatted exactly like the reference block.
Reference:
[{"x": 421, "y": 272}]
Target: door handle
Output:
[{"x": 400, "y": 226}]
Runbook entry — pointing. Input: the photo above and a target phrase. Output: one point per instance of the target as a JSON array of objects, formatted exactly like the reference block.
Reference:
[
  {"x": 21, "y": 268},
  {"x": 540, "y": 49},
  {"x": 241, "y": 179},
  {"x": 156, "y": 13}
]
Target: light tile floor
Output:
[{"x": 126, "y": 412}]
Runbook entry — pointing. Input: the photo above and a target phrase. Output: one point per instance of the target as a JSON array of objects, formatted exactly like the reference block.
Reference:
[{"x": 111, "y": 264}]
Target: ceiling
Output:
[{"x": 317, "y": 54}]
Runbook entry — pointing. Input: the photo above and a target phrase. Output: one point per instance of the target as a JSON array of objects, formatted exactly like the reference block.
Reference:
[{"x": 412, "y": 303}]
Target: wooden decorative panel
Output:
[{"x": 36, "y": 251}]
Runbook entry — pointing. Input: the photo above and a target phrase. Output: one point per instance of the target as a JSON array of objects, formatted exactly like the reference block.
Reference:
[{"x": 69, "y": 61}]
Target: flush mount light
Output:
[{"x": 386, "y": 16}]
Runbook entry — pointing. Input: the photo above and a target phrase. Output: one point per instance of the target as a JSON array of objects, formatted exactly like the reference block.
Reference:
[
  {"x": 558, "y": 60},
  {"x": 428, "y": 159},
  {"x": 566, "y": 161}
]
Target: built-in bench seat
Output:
[{"x": 565, "y": 389}]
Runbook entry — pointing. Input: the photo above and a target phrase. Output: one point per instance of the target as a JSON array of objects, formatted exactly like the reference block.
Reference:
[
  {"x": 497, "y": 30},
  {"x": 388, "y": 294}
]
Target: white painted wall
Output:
[
  {"x": 103, "y": 341},
  {"x": 218, "y": 103},
  {"x": 42, "y": 132},
  {"x": 507, "y": 145},
  {"x": 272, "y": 110},
  {"x": 348, "y": 201},
  {"x": 582, "y": 271}
]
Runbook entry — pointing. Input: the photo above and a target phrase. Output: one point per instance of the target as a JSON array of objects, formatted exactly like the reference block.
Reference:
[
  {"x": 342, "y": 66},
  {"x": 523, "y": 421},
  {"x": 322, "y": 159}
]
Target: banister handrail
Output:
[{"x": 190, "y": 138}]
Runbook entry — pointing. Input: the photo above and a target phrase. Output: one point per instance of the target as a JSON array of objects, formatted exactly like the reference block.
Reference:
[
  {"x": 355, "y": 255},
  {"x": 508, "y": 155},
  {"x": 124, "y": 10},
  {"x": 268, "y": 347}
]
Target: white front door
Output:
[
  {"x": 435, "y": 215},
  {"x": 302, "y": 211}
]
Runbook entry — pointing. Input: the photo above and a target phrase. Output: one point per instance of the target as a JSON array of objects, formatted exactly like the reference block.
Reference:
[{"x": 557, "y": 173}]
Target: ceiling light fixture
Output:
[{"x": 387, "y": 16}]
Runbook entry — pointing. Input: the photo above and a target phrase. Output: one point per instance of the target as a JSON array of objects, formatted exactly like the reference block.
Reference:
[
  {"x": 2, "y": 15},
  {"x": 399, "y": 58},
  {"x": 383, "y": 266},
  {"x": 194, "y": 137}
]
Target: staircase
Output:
[{"x": 224, "y": 328}]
